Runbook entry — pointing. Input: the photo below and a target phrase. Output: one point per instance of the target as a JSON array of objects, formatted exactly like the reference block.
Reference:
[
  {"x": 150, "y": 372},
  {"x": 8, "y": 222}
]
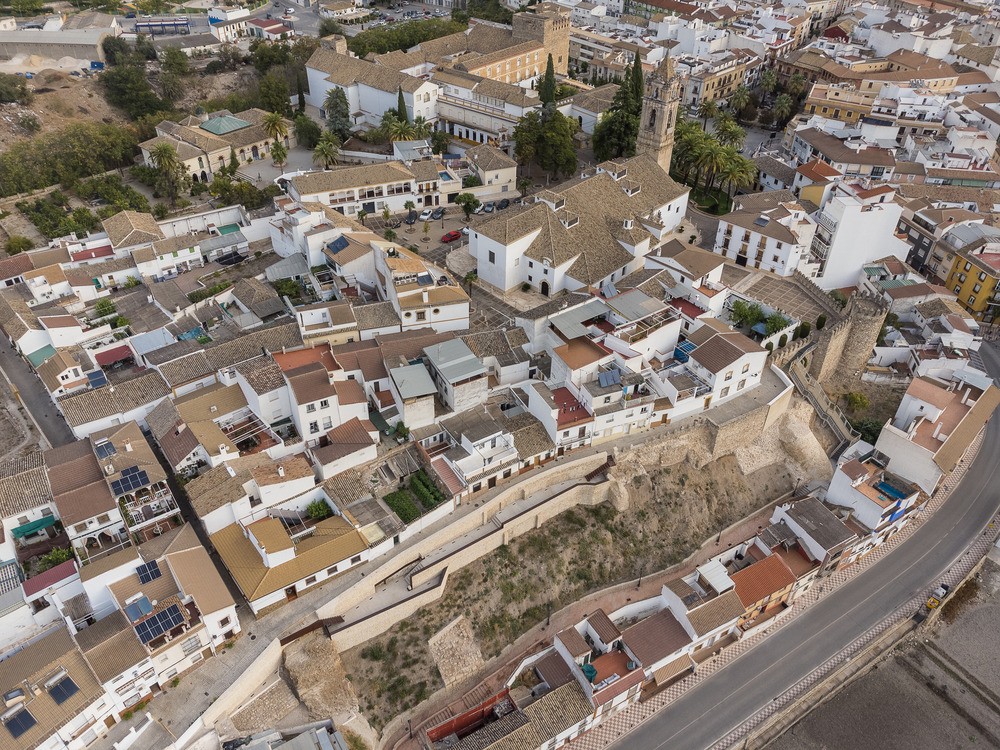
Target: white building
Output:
[{"x": 775, "y": 239}]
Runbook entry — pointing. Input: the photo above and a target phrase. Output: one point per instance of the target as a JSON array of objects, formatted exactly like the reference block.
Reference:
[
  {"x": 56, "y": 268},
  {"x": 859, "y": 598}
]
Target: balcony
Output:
[
  {"x": 820, "y": 247},
  {"x": 827, "y": 223},
  {"x": 147, "y": 506}
]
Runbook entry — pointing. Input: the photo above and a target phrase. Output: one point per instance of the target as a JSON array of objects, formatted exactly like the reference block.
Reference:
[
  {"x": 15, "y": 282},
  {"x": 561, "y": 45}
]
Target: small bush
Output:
[
  {"x": 770, "y": 346},
  {"x": 858, "y": 401},
  {"x": 318, "y": 510},
  {"x": 804, "y": 329},
  {"x": 201, "y": 294},
  {"x": 56, "y": 557},
  {"x": 402, "y": 504},
  {"x": 783, "y": 340},
  {"x": 525, "y": 287},
  {"x": 820, "y": 322},
  {"x": 838, "y": 297}
]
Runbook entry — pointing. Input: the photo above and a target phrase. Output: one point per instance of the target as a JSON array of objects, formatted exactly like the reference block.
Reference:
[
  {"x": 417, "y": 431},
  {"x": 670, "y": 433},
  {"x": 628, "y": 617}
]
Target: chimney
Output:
[
  {"x": 329, "y": 376},
  {"x": 230, "y": 470},
  {"x": 128, "y": 446},
  {"x": 281, "y": 471},
  {"x": 627, "y": 223}
]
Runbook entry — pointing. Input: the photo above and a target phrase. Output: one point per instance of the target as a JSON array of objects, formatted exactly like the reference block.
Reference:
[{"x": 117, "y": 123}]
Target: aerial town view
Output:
[{"x": 487, "y": 375}]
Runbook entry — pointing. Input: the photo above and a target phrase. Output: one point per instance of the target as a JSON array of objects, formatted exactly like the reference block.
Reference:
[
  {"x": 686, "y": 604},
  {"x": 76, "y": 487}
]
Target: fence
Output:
[{"x": 828, "y": 411}]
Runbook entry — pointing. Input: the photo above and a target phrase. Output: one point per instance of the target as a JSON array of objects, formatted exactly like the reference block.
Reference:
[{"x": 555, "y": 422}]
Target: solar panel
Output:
[
  {"x": 63, "y": 690},
  {"x": 148, "y": 572},
  {"x": 19, "y": 723},
  {"x": 761, "y": 221},
  {"x": 159, "y": 623},
  {"x": 138, "y": 609},
  {"x": 337, "y": 245},
  {"x": 132, "y": 479},
  {"x": 97, "y": 378},
  {"x": 105, "y": 448}
]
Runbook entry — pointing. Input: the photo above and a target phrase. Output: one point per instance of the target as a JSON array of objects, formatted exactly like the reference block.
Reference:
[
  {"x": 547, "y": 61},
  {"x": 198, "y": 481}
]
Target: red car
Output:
[{"x": 451, "y": 236}]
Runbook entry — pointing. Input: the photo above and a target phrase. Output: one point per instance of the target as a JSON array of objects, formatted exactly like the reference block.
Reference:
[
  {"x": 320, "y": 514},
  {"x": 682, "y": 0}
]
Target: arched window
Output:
[{"x": 652, "y": 119}]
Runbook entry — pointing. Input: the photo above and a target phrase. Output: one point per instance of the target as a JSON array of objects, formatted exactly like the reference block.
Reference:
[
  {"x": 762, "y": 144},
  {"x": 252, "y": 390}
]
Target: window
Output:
[
  {"x": 332, "y": 570},
  {"x": 517, "y": 261},
  {"x": 191, "y": 645},
  {"x": 19, "y": 723},
  {"x": 972, "y": 299},
  {"x": 224, "y": 622},
  {"x": 355, "y": 560},
  {"x": 729, "y": 375},
  {"x": 310, "y": 580},
  {"x": 80, "y": 528},
  {"x": 63, "y": 690},
  {"x": 421, "y": 315},
  {"x": 493, "y": 257},
  {"x": 746, "y": 368},
  {"x": 313, "y": 428},
  {"x": 741, "y": 385},
  {"x": 324, "y": 404},
  {"x": 103, "y": 518},
  {"x": 310, "y": 408},
  {"x": 977, "y": 288},
  {"x": 531, "y": 264},
  {"x": 968, "y": 266},
  {"x": 725, "y": 392}
]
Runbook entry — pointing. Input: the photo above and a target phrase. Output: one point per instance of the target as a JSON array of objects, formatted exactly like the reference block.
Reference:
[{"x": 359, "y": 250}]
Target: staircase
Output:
[{"x": 602, "y": 469}]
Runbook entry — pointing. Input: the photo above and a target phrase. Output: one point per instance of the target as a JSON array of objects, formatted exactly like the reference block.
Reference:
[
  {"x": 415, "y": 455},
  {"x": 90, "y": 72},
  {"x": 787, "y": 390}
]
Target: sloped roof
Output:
[{"x": 762, "y": 579}]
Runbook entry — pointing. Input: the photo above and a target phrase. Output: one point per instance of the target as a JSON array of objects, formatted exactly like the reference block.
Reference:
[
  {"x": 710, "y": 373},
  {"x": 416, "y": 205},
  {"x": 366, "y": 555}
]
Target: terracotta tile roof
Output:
[
  {"x": 375, "y": 315},
  {"x": 720, "y": 349},
  {"x": 217, "y": 487},
  {"x": 262, "y": 374},
  {"x": 131, "y": 228},
  {"x": 24, "y": 484},
  {"x": 606, "y": 630},
  {"x": 346, "y": 439},
  {"x": 89, "y": 406},
  {"x": 656, "y": 637},
  {"x": 762, "y": 579},
  {"x": 294, "y": 467},
  {"x": 574, "y": 642},
  {"x": 723, "y": 609},
  {"x": 333, "y": 541},
  {"x": 196, "y": 575},
  {"x": 36, "y": 663},
  {"x": 111, "y": 646}
]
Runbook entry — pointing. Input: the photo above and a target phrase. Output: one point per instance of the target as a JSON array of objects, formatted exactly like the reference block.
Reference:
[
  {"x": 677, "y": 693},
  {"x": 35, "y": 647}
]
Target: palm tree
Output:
[
  {"x": 390, "y": 235},
  {"x": 769, "y": 80},
  {"x": 728, "y": 133},
  {"x": 400, "y": 130},
  {"x": 164, "y": 158},
  {"x": 737, "y": 172},
  {"x": 362, "y": 214},
  {"x": 471, "y": 278},
  {"x": 690, "y": 142},
  {"x": 711, "y": 158},
  {"x": 331, "y": 101},
  {"x": 523, "y": 183},
  {"x": 275, "y": 126},
  {"x": 784, "y": 107},
  {"x": 279, "y": 154},
  {"x": 707, "y": 109},
  {"x": 739, "y": 99},
  {"x": 421, "y": 128},
  {"x": 796, "y": 84},
  {"x": 327, "y": 151}
]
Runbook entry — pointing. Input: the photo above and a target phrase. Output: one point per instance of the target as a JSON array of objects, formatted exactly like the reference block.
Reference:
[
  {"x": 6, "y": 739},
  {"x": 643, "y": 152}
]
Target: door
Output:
[
  {"x": 291, "y": 594},
  {"x": 544, "y": 288},
  {"x": 492, "y": 482}
]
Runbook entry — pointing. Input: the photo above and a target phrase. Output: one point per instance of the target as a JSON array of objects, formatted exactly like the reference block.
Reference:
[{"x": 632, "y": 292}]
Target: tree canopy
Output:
[
  {"x": 546, "y": 138},
  {"x": 338, "y": 113},
  {"x": 547, "y": 87},
  {"x": 402, "y": 36},
  {"x": 616, "y": 133}
]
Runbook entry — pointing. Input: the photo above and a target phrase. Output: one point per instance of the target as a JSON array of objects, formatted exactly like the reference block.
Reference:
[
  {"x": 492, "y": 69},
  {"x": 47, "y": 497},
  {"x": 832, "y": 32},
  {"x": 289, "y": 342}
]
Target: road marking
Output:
[{"x": 941, "y": 538}]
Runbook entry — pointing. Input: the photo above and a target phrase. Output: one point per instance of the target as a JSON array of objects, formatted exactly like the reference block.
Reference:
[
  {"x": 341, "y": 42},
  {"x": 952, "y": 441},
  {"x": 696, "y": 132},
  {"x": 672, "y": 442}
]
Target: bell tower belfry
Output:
[{"x": 660, "y": 100}]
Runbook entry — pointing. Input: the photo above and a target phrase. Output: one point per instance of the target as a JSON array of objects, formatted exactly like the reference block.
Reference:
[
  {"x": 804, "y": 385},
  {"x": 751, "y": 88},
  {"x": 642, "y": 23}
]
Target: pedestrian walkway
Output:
[{"x": 622, "y": 723}]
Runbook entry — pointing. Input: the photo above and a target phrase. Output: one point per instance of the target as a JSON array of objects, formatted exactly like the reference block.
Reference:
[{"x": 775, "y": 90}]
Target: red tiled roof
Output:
[
  {"x": 571, "y": 411},
  {"x": 448, "y": 476},
  {"x": 110, "y": 356},
  {"x": 95, "y": 252},
  {"x": 762, "y": 579},
  {"x": 51, "y": 576}
]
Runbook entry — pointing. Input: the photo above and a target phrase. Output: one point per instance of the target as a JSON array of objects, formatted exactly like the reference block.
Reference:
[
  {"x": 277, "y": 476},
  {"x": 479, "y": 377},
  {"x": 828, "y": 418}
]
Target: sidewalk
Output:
[{"x": 620, "y": 724}]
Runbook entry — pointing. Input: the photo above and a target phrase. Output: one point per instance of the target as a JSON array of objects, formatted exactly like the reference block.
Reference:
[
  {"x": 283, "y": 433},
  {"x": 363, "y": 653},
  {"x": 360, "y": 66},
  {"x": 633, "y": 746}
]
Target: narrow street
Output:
[{"x": 34, "y": 397}]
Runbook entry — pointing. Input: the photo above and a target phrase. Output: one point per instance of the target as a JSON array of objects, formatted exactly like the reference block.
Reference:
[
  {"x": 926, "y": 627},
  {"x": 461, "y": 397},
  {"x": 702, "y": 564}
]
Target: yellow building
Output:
[
  {"x": 973, "y": 278},
  {"x": 838, "y": 101}
]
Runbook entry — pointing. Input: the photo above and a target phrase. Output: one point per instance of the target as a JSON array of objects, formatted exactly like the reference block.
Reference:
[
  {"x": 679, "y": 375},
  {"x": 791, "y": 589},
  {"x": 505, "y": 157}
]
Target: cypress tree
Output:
[
  {"x": 547, "y": 88},
  {"x": 401, "y": 107},
  {"x": 636, "y": 84},
  {"x": 301, "y": 92}
]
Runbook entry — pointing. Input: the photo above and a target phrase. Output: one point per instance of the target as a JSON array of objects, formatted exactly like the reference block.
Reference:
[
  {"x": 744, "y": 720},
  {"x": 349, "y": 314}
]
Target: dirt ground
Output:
[
  {"x": 676, "y": 500},
  {"x": 60, "y": 99},
  {"x": 884, "y": 398}
]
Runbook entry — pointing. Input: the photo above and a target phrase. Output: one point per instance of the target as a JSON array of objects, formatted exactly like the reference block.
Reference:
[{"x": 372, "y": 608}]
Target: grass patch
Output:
[
  {"x": 403, "y": 505},
  {"x": 712, "y": 201}
]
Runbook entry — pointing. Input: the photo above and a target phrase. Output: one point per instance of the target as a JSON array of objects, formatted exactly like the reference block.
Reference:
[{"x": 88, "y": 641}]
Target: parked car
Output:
[
  {"x": 479, "y": 209},
  {"x": 451, "y": 236},
  {"x": 438, "y": 213},
  {"x": 426, "y": 214},
  {"x": 411, "y": 218},
  {"x": 465, "y": 231},
  {"x": 505, "y": 203},
  {"x": 489, "y": 207}
]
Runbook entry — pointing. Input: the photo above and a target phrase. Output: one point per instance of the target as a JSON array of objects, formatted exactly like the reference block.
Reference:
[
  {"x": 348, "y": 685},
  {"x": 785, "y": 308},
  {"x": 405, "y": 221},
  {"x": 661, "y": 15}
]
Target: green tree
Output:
[
  {"x": 707, "y": 109},
  {"x": 638, "y": 84},
  {"x": 796, "y": 84},
  {"x": 399, "y": 130},
  {"x": 390, "y": 235},
  {"x": 556, "y": 149},
  {"x": 171, "y": 172},
  {"x": 440, "y": 141},
  {"x": 547, "y": 86},
  {"x": 401, "y": 107},
  {"x": 175, "y": 61},
  {"x": 116, "y": 50},
  {"x": 362, "y": 214},
  {"x": 307, "y": 132},
  {"x": 14, "y": 89},
  {"x": 523, "y": 185},
  {"x": 274, "y": 94},
  {"x": 104, "y": 308},
  {"x": 279, "y": 154},
  {"x": 769, "y": 80},
  {"x": 421, "y": 128},
  {"x": 615, "y": 135},
  {"x": 171, "y": 87},
  {"x": 745, "y": 314},
  {"x": 728, "y": 133},
  {"x": 784, "y": 108},
  {"x": 470, "y": 278},
  {"x": 737, "y": 172},
  {"x": 774, "y": 323},
  {"x": 710, "y": 159},
  {"x": 329, "y": 27},
  {"x": 527, "y": 133},
  {"x": 338, "y": 113},
  {"x": 17, "y": 244},
  {"x": 234, "y": 163},
  {"x": 275, "y": 126},
  {"x": 127, "y": 88},
  {"x": 300, "y": 91},
  {"x": 739, "y": 100},
  {"x": 402, "y": 36},
  {"x": 327, "y": 151},
  {"x": 468, "y": 203}
]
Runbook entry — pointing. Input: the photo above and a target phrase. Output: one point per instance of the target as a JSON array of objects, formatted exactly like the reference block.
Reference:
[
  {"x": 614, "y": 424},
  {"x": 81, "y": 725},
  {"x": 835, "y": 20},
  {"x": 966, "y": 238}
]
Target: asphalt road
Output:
[
  {"x": 34, "y": 396},
  {"x": 713, "y": 708}
]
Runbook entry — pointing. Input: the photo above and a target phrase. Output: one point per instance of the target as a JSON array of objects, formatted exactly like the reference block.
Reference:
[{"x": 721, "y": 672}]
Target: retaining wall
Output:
[{"x": 264, "y": 665}]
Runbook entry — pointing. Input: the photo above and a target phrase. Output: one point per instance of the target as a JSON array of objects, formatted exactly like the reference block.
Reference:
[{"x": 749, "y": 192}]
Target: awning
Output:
[
  {"x": 116, "y": 354},
  {"x": 31, "y": 528},
  {"x": 672, "y": 669}
]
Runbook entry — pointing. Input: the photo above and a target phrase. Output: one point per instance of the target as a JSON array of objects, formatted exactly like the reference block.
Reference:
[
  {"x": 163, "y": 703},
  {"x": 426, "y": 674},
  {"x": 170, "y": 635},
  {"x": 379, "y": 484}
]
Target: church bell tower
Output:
[{"x": 661, "y": 97}]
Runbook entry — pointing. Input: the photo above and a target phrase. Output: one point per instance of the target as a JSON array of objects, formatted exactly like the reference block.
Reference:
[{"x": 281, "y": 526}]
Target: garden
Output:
[{"x": 419, "y": 496}]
